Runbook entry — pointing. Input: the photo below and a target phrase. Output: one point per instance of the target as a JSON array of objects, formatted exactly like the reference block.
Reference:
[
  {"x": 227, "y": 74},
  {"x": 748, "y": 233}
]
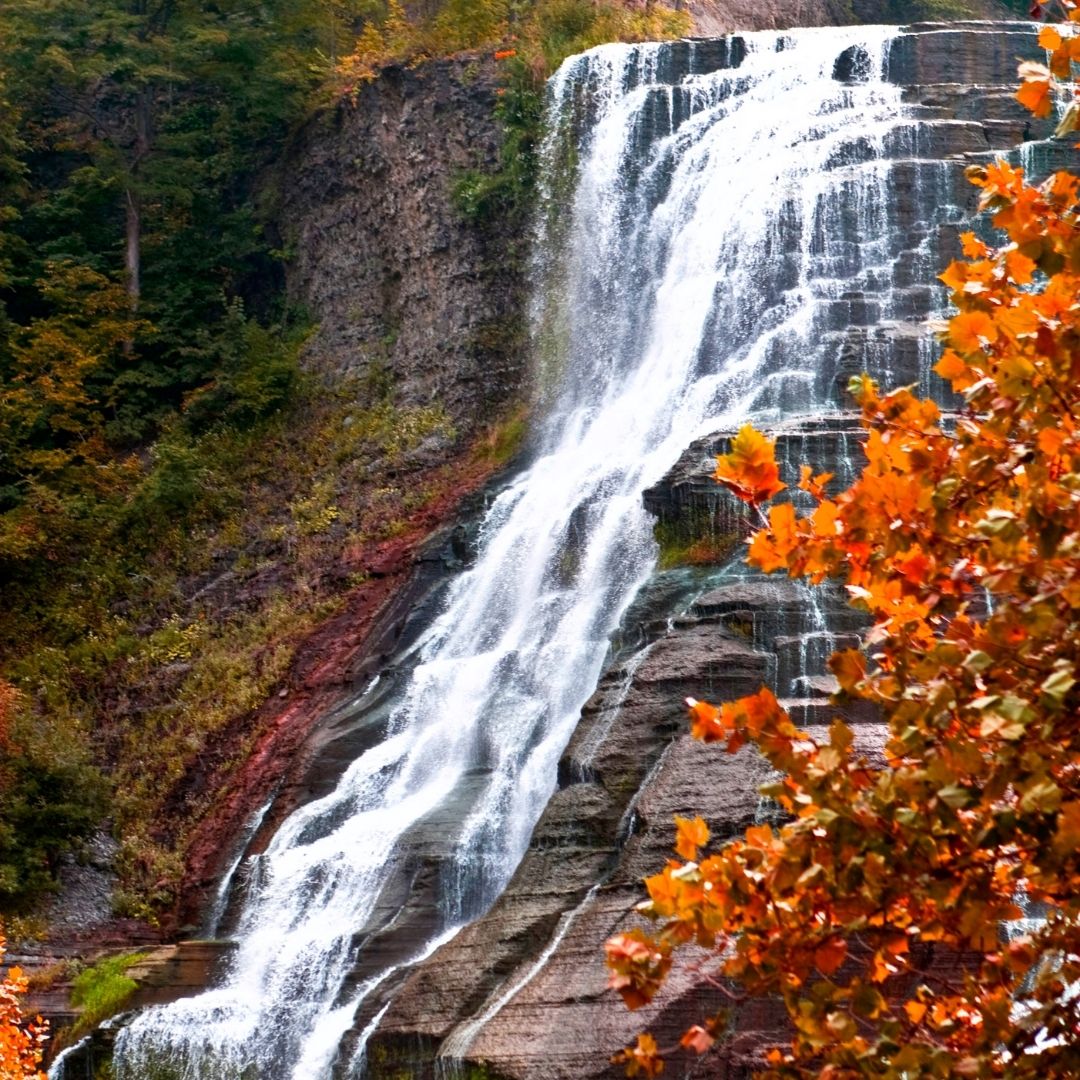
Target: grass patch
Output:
[
  {"x": 132, "y": 655},
  {"x": 503, "y": 441},
  {"x": 102, "y": 991}
]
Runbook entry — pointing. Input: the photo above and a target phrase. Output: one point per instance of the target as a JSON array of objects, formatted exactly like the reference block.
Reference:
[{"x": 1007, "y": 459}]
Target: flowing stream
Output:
[{"x": 711, "y": 211}]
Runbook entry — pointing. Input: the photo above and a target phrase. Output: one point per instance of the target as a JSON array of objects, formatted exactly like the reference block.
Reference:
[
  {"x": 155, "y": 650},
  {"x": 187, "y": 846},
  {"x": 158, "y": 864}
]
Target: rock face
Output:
[
  {"x": 724, "y": 16},
  {"x": 405, "y": 291},
  {"x": 521, "y": 993}
]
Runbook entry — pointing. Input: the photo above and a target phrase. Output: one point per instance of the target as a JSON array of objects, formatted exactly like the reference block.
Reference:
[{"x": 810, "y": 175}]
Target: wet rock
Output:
[
  {"x": 852, "y": 65},
  {"x": 521, "y": 992},
  {"x": 971, "y": 53}
]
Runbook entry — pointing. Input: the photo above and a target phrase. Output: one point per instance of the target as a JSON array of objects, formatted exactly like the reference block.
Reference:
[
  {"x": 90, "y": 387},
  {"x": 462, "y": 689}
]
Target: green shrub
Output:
[
  {"x": 256, "y": 369},
  {"x": 102, "y": 991},
  {"x": 504, "y": 197},
  {"x": 51, "y": 798}
]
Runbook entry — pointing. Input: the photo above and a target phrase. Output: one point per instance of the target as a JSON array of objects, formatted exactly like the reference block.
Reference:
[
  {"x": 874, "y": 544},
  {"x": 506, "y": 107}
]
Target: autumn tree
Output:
[
  {"x": 127, "y": 84},
  {"x": 961, "y": 542},
  {"x": 21, "y": 1042},
  {"x": 147, "y": 129}
]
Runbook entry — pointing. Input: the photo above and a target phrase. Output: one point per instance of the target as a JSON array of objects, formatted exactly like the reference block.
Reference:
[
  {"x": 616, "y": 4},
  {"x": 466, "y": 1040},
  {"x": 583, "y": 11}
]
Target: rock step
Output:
[{"x": 975, "y": 53}]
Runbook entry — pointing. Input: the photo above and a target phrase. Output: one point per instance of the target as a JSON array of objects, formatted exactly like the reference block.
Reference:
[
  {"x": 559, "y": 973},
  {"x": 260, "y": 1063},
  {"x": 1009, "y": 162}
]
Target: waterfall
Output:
[{"x": 704, "y": 236}]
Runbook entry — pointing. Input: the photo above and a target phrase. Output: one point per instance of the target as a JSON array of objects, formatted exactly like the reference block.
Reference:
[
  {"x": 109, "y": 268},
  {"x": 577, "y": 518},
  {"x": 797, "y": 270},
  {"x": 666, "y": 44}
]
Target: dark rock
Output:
[
  {"x": 521, "y": 992},
  {"x": 972, "y": 53},
  {"x": 852, "y": 65}
]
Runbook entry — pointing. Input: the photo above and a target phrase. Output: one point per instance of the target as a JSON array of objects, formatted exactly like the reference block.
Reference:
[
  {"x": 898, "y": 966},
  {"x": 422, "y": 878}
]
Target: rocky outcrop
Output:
[
  {"x": 712, "y": 17},
  {"x": 406, "y": 292},
  {"x": 296, "y": 746},
  {"x": 157, "y": 977},
  {"x": 724, "y": 16},
  {"x": 521, "y": 993}
]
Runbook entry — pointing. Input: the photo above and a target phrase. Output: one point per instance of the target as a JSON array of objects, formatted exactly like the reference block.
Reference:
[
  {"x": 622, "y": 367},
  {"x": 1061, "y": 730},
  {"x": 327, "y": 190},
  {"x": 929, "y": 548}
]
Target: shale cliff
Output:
[
  {"x": 418, "y": 305},
  {"x": 713, "y": 17},
  {"x": 406, "y": 291}
]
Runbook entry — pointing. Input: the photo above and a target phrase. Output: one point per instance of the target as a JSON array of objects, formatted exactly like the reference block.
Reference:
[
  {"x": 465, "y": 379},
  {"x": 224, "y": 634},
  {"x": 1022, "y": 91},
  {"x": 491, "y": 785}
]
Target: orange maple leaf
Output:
[
  {"x": 1034, "y": 95},
  {"x": 970, "y": 329},
  {"x": 829, "y": 956},
  {"x": 690, "y": 834},
  {"x": 749, "y": 470}
]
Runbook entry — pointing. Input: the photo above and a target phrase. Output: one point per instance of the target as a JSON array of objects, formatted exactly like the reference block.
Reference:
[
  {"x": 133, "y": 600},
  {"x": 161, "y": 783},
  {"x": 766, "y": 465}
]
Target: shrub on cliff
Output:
[
  {"x": 541, "y": 34},
  {"x": 886, "y": 913}
]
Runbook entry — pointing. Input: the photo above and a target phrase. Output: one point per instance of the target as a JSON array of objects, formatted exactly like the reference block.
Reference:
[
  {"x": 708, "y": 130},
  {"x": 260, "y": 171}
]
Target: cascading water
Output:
[{"x": 701, "y": 234}]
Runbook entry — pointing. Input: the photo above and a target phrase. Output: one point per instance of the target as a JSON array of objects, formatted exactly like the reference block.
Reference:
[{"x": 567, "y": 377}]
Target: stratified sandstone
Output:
[{"x": 406, "y": 292}]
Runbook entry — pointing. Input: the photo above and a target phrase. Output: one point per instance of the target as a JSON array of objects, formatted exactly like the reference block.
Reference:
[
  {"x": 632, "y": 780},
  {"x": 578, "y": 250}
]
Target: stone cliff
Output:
[
  {"x": 406, "y": 292},
  {"x": 713, "y": 17},
  {"x": 416, "y": 308},
  {"x": 521, "y": 993}
]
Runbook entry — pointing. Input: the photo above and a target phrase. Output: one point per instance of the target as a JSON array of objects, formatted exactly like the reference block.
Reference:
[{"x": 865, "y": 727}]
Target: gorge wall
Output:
[
  {"x": 713, "y": 17},
  {"x": 407, "y": 291}
]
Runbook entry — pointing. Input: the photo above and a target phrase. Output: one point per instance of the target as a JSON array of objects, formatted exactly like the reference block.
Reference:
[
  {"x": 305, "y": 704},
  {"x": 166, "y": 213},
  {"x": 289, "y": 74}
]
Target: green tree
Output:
[
  {"x": 149, "y": 126},
  {"x": 12, "y": 177}
]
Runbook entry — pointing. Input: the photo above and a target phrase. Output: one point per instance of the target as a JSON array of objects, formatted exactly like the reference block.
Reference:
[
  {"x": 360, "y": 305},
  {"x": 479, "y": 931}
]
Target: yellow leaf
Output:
[
  {"x": 849, "y": 667},
  {"x": 973, "y": 247},
  {"x": 1019, "y": 267},
  {"x": 915, "y": 1011},
  {"x": 749, "y": 470},
  {"x": 1067, "y": 839},
  {"x": 950, "y": 366},
  {"x": 1050, "y": 440}
]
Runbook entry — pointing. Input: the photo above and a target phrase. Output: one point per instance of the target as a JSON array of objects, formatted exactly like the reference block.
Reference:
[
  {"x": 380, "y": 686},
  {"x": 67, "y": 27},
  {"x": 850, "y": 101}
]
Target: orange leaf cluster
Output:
[
  {"x": 961, "y": 541},
  {"x": 21, "y": 1043},
  {"x": 1037, "y": 84},
  {"x": 749, "y": 470}
]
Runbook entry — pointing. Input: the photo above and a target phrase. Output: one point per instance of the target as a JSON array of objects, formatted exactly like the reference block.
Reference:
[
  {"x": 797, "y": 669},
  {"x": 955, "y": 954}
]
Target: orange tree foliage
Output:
[
  {"x": 961, "y": 540},
  {"x": 21, "y": 1043},
  {"x": 539, "y": 34}
]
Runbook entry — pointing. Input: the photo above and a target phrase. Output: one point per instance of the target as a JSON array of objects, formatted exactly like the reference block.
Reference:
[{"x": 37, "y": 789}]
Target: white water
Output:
[
  {"x": 224, "y": 889},
  {"x": 683, "y": 286}
]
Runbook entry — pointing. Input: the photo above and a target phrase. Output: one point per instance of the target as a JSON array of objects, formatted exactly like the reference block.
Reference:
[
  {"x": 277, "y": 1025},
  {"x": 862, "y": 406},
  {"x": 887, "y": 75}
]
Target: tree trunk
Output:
[
  {"x": 133, "y": 198},
  {"x": 133, "y": 251}
]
